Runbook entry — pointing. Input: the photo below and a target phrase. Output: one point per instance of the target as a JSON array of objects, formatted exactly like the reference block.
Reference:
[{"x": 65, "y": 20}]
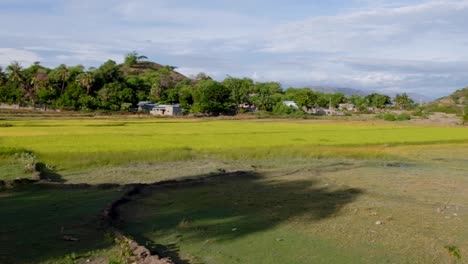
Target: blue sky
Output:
[{"x": 388, "y": 46}]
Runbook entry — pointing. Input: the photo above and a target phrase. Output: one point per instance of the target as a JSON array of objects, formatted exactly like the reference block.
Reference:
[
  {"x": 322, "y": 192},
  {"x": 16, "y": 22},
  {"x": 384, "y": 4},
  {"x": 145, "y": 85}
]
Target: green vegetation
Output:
[
  {"x": 118, "y": 88},
  {"x": 35, "y": 220},
  {"x": 79, "y": 144},
  {"x": 393, "y": 117},
  {"x": 329, "y": 211},
  {"x": 452, "y": 104},
  {"x": 288, "y": 191}
]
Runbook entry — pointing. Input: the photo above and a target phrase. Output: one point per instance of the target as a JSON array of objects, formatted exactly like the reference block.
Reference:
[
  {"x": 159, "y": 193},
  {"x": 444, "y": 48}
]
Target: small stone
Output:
[
  {"x": 279, "y": 239},
  {"x": 379, "y": 223},
  {"x": 70, "y": 238},
  {"x": 234, "y": 229}
]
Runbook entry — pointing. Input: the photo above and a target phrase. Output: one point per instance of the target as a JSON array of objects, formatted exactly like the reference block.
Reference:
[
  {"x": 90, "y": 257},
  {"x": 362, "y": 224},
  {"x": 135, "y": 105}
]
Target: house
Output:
[
  {"x": 146, "y": 106},
  {"x": 247, "y": 107},
  {"x": 167, "y": 110},
  {"x": 291, "y": 104},
  {"x": 347, "y": 107}
]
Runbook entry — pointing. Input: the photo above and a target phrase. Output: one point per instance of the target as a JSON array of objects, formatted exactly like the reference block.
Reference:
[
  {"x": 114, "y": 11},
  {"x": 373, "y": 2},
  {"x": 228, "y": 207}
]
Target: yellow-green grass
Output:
[{"x": 89, "y": 143}]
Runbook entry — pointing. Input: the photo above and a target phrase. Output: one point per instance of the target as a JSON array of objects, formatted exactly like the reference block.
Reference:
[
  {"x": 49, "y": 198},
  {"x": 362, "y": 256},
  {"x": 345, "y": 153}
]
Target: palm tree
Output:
[
  {"x": 86, "y": 80},
  {"x": 3, "y": 77},
  {"x": 63, "y": 74},
  {"x": 40, "y": 80},
  {"x": 14, "y": 71}
]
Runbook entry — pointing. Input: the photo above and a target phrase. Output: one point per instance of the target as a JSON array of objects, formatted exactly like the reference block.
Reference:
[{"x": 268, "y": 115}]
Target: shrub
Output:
[
  {"x": 389, "y": 117},
  {"x": 282, "y": 109},
  {"x": 465, "y": 118},
  {"x": 5, "y": 125},
  {"x": 421, "y": 112},
  {"x": 403, "y": 117},
  {"x": 28, "y": 159}
]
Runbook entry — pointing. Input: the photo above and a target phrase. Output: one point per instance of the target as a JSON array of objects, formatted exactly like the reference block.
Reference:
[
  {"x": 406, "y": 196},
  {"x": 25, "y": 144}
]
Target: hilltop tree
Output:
[
  {"x": 202, "y": 77},
  {"x": 133, "y": 58}
]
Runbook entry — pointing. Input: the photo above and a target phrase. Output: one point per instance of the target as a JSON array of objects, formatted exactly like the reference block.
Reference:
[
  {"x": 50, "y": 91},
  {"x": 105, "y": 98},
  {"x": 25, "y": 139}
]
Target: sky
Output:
[{"x": 386, "y": 46}]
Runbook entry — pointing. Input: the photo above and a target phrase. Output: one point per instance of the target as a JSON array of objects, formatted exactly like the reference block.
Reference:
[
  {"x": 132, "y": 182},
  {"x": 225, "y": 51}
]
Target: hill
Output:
[
  {"x": 452, "y": 103},
  {"x": 144, "y": 67}
]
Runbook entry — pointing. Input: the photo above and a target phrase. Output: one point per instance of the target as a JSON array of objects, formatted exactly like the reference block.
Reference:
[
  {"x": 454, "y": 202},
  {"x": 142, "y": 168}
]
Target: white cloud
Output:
[
  {"x": 435, "y": 29},
  {"x": 414, "y": 44},
  {"x": 8, "y": 55}
]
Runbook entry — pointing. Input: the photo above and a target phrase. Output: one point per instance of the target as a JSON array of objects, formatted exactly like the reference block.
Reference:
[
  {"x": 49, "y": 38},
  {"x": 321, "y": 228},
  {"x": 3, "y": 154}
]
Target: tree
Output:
[
  {"x": 39, "y": 82},
  {"x": 110, "y": 96},
  {"x": 40, "y": 79},
  {"x": 377, "y": 100},
  {"x": 202, "y": 77},
  {"x": 62, "y": 75},
  {"x": 262, "y": 97},
  {"x": 133, "y": 58},
  {"x": 3, "y": 77},
  {"x": 403, "y": 101},
  {"x": 107, "y": 73},
  {"x": 358, "y": 101},
  {"x": 86, "y": 80},
  {"x": 186, "y": 97},
  {"x": 304, "y": 97},
  {"x": 240, "y": 89},
  {"x": 45, "y": 96},
  {"x": 211, "y": 97},
  {"x": 465, "y": 115},
  {"x": 14, "y": 72}
]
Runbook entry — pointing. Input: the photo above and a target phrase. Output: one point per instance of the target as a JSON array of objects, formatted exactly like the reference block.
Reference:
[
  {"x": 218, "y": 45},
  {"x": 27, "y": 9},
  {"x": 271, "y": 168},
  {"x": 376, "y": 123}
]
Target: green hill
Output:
[
  {"x": 145, "y": 67},
  {"x": 451, "y": 104}
]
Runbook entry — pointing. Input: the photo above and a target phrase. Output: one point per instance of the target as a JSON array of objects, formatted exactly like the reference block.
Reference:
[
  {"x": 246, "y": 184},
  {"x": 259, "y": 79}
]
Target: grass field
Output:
[{"x": 313, "y": 191}]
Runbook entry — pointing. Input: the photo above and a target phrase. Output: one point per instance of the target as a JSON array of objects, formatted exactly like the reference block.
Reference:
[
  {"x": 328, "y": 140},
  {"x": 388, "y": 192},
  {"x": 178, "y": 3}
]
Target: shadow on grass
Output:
[
  {"x": 226, "y": 208},
  {"x": 213, "y": 207},
  {"x": 48, "y": 174},
  {"x": 36, "y": 218}
]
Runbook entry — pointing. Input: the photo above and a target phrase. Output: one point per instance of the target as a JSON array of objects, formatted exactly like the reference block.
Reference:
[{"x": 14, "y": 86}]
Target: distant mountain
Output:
[
  {"x": 351, "y": 91},
  {"x": 345, "y": 91}
]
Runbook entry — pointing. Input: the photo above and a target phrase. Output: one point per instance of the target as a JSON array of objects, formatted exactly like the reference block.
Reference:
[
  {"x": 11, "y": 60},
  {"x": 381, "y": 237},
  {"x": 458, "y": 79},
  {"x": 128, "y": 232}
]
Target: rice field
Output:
[{"x": 86, "y": 143}]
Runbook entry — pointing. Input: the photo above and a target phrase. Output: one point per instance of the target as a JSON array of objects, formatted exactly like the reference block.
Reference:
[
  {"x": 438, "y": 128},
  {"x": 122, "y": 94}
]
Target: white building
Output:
[{"x": 167, "y": 110}]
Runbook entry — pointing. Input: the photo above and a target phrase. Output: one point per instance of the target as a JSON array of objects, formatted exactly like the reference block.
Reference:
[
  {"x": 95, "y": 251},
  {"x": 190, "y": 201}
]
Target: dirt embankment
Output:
[{"x": 111, "y": 216}]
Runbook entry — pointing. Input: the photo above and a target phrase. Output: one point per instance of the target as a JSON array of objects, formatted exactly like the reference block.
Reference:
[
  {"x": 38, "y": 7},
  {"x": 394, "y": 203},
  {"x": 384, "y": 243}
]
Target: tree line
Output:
[{"x": 119, "y": 87}]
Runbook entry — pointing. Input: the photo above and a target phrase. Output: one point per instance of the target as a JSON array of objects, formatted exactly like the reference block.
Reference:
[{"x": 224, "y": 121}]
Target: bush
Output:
[
  {"x": 389, "y": 117},
  {"x": 392, "y": 117},
  {"x": 421, "y": 112},
  {"x": 282, "y": 109},
  {"x": 403, "y": 117},
  {"x": 465, "y": 119},
  {"x": 28, "y": 159},
  {"x": 5, "y": 125}
]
